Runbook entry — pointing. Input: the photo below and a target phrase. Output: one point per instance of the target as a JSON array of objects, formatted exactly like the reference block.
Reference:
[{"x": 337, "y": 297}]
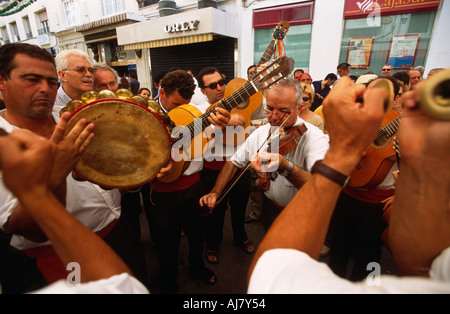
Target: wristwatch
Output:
[{"x": 288, "y": 170}]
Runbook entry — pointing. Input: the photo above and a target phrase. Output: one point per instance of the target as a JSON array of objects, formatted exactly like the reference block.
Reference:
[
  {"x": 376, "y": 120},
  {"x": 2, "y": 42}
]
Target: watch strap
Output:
[
  {"x": 330, "y": 173},
  {"x": 288, "y": 170}
]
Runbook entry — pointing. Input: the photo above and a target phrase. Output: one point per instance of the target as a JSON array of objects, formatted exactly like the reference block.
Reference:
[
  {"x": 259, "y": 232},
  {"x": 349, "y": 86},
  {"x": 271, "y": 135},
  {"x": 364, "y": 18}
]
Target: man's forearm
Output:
[
  {"x": 303, "y": 224},
  {"x": 226, "y": 174},
  {"x": 72, "y": 240}
]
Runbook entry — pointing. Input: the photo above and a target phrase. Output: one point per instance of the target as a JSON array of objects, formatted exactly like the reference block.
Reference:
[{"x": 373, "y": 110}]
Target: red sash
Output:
[
  {"x": 181, "y": 183},
  {"x": 48, "y": 261}
]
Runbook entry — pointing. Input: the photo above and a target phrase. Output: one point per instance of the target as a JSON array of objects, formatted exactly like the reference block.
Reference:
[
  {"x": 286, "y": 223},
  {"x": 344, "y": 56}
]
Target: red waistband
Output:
[
  {"x": 370, "y": 196},
  {"x": 277, "y": 205},
  {"x": 48, "y": 261},
  {"x": 215, "y": 164},
  {"x": 181, "y": 183}
]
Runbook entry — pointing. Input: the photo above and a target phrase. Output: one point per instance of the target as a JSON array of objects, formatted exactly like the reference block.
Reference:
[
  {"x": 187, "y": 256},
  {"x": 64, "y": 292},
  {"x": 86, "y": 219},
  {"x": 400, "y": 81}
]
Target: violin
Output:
[{"x": 289, "y": 139}]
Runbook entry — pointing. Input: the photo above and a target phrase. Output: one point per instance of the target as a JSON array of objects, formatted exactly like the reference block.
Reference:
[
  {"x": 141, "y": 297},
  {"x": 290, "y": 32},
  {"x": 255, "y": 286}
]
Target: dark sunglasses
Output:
[
  {"x": 81, "y": 70},
  {"x": 386, "y": 70},
  {"x": 214, "y": 85},
  {"x": 306, "y": 98}
]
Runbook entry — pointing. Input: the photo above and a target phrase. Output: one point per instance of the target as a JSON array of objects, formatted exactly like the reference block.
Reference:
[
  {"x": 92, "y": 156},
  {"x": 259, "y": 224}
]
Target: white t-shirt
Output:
[
  {"x": 94, "y": 207},
  {"x": 312, "y": 146},
  {"x": 118, "y": 284},
  {"x": 288, "y": 271}
]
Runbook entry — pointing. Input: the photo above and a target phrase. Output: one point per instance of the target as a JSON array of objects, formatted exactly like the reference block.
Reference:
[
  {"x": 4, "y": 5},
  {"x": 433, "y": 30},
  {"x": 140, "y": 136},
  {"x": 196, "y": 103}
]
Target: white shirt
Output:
[
  {"x": 284, "y": 271},
  {"x": 312, "y": 146},
  {"x": 198, "y": 98},
  {"x": 94, "y": 207},
  {"x": 118, "y": 284},
  {"x": 61, "y": 100}
]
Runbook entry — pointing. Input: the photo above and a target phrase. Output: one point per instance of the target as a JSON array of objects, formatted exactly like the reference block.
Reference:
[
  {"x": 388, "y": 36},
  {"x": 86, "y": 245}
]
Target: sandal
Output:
[
  {"x": 248, "y": 247},
  {"x": 212, "y": 256},
  {"x": 204, "y": 274}
]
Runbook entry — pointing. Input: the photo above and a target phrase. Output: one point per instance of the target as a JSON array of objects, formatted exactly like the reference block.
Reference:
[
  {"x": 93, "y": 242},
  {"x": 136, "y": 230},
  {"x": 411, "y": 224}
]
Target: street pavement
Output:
[{"x": 233, "y": 263}]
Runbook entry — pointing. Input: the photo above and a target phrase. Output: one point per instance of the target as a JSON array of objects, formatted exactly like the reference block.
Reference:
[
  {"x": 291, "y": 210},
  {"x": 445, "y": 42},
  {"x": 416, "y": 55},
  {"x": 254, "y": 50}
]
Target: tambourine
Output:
[{"x": 131, "y": 143}]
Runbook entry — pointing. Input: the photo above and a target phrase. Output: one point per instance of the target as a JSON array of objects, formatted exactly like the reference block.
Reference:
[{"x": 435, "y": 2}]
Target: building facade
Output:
[{"x": 149, "y": 36}]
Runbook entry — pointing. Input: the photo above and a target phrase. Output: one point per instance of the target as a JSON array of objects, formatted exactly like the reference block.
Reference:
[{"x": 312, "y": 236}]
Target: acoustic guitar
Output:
[
  {"x": 248, "y": 107},
  {"x": 189, "y": 138},
  {"x": 379, "y": 157}
]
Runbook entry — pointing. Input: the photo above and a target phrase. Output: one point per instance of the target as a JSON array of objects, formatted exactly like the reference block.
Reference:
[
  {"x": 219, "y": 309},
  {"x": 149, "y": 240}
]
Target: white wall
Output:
[
  {"x": 439, "y": 50},
  {"x": 326, "y": 37}
]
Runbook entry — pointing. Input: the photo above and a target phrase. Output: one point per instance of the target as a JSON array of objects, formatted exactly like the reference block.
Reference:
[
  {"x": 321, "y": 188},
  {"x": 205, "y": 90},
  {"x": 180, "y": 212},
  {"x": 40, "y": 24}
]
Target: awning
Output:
[
  {"x": 171, "y": 42},
  {"x": 110, "y": 20}
]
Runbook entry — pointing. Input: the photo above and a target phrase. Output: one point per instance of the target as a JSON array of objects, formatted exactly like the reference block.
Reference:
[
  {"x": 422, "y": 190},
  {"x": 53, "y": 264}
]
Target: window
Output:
[
  {"x": 4, "y": 34},
  {"x": 297, "y": 43},
  {"x": 43, "y": 23},
  {"x": 146, "y": 3},
  {"x": 110, "y": 7},
  {"x": 14, "y": 32},
  {"x": 420, "y": 24},
  {"x": 26, "y": 27},
  {"x": 70, "y": 9},
  {"x": 298, "y": 38}
]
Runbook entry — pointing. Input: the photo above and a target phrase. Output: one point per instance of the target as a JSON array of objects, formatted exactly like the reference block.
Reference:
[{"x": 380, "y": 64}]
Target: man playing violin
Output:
[{"x": 288, "y": 171}]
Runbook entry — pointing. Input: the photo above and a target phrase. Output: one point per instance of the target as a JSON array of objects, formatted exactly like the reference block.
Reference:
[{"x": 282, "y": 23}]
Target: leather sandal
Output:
[
  {"x": 204, "y": 274},
  {"x": 248, "y": 247},
  {"x": 212, "y": 256}
]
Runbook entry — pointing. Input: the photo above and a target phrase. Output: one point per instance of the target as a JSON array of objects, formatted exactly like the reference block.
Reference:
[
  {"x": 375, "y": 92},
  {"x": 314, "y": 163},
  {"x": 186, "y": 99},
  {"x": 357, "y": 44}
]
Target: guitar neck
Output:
[
  {"x": 391, "y": 128},
  {"x": 267, "y": 55},
  {"x": 387, "y": 131},
  {"x": 229, "y": 103}
]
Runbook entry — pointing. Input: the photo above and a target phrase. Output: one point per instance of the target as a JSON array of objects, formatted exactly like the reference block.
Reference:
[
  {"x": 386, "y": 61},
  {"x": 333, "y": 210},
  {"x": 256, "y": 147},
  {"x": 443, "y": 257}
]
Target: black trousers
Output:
[
  {"x": 355, "y": 232},
  {"x": 170, "y": 213},
  {"x": 237, "y": 200}
]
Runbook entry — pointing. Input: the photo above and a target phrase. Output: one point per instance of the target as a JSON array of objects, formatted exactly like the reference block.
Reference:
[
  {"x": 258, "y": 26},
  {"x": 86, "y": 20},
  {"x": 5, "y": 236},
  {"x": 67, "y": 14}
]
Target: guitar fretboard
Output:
[{"x": 229, "y": 103}]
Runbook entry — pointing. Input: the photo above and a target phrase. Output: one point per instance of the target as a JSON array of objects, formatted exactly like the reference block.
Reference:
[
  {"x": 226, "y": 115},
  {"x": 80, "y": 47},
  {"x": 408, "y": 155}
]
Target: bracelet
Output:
[{"x": 330, "y": 173}]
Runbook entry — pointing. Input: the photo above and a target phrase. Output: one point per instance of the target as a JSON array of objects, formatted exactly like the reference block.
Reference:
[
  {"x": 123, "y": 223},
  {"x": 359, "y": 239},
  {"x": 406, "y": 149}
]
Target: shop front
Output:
[
  {"x": 189, "y": 40},
  {"x": 100, "y": 38},
  {"x": 387, "y": 32}
]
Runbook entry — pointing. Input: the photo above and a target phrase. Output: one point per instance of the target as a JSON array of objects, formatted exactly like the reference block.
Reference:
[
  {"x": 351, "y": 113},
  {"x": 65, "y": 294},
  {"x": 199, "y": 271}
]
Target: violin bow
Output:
[{"x": 243, "y": 170}]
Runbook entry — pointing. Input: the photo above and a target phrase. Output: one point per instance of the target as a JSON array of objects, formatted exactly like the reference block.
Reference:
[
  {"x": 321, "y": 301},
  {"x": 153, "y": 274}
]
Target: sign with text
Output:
[
  {"x": 403, "y": 51},
  {"x": 362, "y": 8}
]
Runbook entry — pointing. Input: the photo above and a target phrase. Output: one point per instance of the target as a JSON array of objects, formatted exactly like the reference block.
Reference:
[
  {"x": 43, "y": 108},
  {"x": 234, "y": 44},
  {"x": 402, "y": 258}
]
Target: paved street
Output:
[{"x": 232, "y": 267}]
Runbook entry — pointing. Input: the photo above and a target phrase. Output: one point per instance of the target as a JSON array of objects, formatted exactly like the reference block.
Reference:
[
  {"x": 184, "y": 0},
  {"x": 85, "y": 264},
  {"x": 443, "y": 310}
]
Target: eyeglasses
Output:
[
  {"x": 81, "y": 70},
  {"x": 386, "y": 69},
  {"x": 281, "y": 113},
  {"x": 306, "y": 98},
  {"x": 214, "y": 85}
]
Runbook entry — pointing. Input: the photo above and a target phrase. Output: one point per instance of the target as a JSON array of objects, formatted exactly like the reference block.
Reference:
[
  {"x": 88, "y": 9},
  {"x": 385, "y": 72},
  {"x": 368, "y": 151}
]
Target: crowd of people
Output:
[{"x": 301, "y": 192}]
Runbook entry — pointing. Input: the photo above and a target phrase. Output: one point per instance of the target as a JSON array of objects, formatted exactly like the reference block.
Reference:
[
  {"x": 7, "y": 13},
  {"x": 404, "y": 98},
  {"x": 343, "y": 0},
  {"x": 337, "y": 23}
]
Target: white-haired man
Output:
[{"x": 76, "y": 76}]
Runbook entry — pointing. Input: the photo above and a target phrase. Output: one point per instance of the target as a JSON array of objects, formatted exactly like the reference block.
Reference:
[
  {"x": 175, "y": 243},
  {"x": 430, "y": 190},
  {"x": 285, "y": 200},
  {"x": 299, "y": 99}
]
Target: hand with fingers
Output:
[
  {"x": 69, "y": 147},
  {"x": 220, "y": 118},
  {"x": 26, "y": 155}
]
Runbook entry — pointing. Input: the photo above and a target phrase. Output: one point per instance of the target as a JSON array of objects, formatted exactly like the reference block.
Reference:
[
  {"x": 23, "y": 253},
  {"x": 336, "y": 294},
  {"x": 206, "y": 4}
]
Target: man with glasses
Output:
[
  {"x": 75, "y": 74},
  {"x": 287, "y": 172},
  {"x": 386, "y": 71}
]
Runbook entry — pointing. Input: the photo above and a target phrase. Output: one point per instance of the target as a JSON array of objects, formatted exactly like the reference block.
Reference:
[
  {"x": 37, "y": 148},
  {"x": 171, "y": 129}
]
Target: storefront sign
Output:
[
  {"x": 362, "y": 8},
  {"x": 403, "y": 51},
  {"x": 359, "y": 52},
  {"x": 182, "y": 27}
]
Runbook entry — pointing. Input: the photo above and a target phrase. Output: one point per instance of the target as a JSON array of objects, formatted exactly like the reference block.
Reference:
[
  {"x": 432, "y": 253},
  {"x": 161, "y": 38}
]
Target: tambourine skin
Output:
[{"x": 130, "y": 145}]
